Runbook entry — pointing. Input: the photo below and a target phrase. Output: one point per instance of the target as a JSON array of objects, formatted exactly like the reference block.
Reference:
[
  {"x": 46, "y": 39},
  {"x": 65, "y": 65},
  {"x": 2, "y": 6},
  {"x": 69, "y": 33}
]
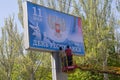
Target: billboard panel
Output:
[{"x": 47, "y": 29}]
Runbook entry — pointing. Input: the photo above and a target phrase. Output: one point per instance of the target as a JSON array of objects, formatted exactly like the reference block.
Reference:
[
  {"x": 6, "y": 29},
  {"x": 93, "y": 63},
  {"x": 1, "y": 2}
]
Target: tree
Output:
[
  {"x": 9, "y": 48},
  {"x": 117, "y": 18},
  {"x": 117, "y": 5},
  {"x": 98, "y": 29}
]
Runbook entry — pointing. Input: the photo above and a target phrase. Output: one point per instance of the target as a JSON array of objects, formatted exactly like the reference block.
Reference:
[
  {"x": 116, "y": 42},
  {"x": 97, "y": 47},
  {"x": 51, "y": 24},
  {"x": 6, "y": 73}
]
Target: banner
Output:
[{"x": 47, "y": 29}]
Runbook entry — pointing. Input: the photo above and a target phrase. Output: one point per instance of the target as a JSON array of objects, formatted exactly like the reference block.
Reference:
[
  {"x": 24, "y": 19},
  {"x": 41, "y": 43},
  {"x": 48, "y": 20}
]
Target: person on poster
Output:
[
  {"x": 36, "y": 31},
  {"x": 69, "y": 55}
]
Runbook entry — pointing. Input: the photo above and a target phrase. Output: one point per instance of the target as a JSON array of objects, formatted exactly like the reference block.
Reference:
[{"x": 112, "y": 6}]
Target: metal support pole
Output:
[{"x": 57, "y": 73}]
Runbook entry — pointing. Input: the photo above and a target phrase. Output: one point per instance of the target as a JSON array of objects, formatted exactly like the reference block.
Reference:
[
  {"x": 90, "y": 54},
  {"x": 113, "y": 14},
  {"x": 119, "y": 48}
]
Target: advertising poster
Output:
[{"x": 48, "y": 29}]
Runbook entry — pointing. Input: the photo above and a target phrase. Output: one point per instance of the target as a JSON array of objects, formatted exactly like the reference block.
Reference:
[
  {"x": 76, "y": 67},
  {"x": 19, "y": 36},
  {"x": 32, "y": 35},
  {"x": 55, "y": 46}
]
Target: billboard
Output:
[{"x": 47, "y": 29}]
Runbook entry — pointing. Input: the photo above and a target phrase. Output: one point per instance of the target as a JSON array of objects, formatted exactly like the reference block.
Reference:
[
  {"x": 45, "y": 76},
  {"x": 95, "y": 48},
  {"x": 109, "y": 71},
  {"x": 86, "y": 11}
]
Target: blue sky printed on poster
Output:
[{"x": 49, "y": 29}]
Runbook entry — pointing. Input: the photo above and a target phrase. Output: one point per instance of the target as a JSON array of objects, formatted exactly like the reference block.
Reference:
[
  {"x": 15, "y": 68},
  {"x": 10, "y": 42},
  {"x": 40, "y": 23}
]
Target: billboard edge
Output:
[
  {"x": 53, "y": 9},
  {"x": 26, "y": 27},
  {"x": 25, "y": 23}
]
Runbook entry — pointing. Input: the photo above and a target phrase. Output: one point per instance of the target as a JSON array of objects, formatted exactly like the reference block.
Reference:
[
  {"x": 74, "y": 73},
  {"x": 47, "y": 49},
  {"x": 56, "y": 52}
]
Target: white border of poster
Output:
[{"x": 47, "y": 29}]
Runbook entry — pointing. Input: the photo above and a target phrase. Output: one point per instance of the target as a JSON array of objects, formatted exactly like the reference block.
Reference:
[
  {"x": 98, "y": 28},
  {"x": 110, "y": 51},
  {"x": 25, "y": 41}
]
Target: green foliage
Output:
[
  {"x": 9, "y": 48},
  {"x": 85, "y": 75},
  {"x": 99, "y": 38},
  {"x": 113, "y": 60},
  {"x": 98, "y": 30}
]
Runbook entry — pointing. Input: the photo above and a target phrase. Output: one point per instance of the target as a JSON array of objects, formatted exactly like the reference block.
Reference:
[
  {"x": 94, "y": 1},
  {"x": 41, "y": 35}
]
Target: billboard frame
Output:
[{"x": 26, "y": 32}]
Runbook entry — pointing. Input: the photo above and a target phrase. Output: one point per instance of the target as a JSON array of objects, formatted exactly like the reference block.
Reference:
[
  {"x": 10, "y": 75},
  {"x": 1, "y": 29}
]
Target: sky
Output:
[{"x": 8, "y": 8}]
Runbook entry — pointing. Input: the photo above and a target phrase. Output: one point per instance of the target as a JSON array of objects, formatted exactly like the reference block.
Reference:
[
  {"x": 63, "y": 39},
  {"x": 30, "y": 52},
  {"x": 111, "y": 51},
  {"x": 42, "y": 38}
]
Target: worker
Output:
[
  {"x": 68, "y": 52},
  {"x": 63, "y": 57}
]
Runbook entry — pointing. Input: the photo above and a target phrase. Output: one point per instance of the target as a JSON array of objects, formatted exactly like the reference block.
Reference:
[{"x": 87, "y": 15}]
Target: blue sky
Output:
[{"x": 8, "y": 8}]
